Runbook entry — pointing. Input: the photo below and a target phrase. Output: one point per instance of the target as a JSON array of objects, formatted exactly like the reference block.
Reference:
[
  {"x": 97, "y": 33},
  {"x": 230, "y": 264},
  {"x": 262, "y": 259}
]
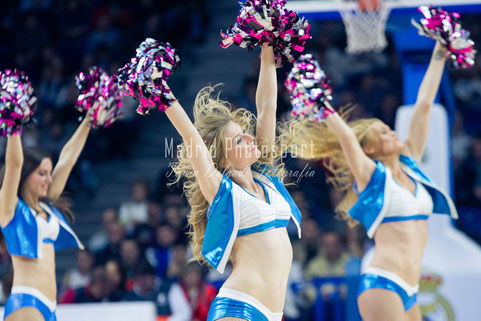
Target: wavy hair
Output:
[{"x": 324, "y": 145}]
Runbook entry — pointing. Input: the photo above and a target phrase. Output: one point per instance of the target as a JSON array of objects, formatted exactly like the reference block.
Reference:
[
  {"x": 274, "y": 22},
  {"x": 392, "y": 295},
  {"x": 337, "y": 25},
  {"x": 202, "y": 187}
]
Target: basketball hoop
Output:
[{"x": 365, "y": 25}]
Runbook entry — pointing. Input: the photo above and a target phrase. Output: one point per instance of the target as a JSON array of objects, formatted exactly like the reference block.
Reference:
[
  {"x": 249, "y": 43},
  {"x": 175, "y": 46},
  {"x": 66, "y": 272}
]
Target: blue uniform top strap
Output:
[
  {"x": 413, "y": 165},
  {"x": 371, "y": 200},
  {"x": 443, "y": 204},
  {"x": 21, "y": 233},
  {"x": 222, "y": 225}
]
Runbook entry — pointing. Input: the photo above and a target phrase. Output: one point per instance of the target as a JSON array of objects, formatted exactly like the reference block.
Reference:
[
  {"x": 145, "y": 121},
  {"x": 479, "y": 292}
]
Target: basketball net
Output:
[{"x": 366, "y": 26}]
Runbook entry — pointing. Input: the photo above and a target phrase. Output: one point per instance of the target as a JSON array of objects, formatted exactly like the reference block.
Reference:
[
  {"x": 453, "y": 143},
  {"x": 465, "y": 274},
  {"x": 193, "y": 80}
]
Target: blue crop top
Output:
[
  {"x": 381, "y": 202},
  {"x": 25, "y": 233},
  {"x": 235, "y": 212}
]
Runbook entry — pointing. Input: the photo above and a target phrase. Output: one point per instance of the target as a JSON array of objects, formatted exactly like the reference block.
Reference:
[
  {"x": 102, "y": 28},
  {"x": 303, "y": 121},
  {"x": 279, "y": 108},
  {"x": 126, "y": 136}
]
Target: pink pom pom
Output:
[
  {"x": 145, "y": 77},
  {"x": 268, "y": 21},
  {"x": 309, "y": 89},
  {"x": 99, "y": 97},
  {"x": 17, "y": 100},
  {"x": 446, "y": 28}
]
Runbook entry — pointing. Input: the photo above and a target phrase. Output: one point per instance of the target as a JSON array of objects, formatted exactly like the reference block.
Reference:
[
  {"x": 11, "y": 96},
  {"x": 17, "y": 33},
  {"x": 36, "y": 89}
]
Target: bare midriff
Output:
[
  {"x": 400, "y": 248},
  {"x": 37, "y": 273},
  {"x": 261, "y": 265}
]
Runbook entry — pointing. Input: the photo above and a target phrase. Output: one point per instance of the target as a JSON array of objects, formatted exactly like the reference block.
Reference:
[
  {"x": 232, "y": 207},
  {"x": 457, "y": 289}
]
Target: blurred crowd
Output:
[
  {"x": 141, "y": 252},
  {"x": 53, "y": 41}
]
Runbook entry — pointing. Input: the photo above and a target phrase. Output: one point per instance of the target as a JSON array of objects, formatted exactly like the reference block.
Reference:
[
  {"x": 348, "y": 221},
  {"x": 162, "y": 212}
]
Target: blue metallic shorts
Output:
[
  {"x": 28, "y": 297},
  {"x": 375, "y": 278},
  {"x": 236, "y": 304}
]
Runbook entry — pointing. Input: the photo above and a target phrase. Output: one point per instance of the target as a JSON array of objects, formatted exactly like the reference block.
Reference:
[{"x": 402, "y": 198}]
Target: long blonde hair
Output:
[
  {"x": 316, "y": 141},
  {"x": 211, "y": 116}
]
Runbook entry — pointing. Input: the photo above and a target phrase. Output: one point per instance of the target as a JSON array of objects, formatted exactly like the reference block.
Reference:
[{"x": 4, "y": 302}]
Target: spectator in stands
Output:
[
  {"x": 176, "y": 216},
  {"x": 144, "y": 233},
  {"x": 355, "y": 238},
  {"x": 199, "y": 294},
  {"x": 167, "y": 295},
  {"x": 130, "y": 258},
  {"x": 79, "y": 276},
  {"x": 116, "y": 279},
  {"x": 330, "y": 260},
  {"x": 96, "y": 291},
  {"x": 135, "y": 212},
  {"x": 115, "y": 235},
  {"x": 159, "y": 255},
  {"x": 327, "y": 217},
  {"x": 99, "y": 239},
  {"x": 177, "y": 261}
]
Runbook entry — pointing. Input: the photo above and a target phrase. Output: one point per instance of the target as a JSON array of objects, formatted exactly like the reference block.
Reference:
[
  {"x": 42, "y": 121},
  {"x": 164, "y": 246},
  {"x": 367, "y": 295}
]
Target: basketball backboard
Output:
[{"x": 329, "y": 9}]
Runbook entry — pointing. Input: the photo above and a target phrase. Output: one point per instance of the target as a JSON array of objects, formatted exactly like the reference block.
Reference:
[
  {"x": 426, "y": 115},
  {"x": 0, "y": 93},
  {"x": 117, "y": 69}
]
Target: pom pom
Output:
[
  {"x": 309, "y": 89},
  {"x": 268, "y": 21},
  {"x": 99, "y": 96},
  {"x": 145, "y": 77},
  {"x": 17, "y": 100},
  {"x": 446, "y": 28}
]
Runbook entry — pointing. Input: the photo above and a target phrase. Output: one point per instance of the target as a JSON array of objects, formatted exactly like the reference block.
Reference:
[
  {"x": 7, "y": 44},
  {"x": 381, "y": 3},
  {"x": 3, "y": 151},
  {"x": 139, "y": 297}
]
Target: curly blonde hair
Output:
[
  {"x": 324, "y": 145},
  {"x": 211, "y": 117}
]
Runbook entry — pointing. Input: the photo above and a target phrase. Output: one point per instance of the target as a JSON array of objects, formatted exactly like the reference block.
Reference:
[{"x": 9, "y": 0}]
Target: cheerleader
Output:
[
  {"x": 33, "y": 216},
  {"x": 239, "y": 205},
  {"x": 388, "y": 194}
]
